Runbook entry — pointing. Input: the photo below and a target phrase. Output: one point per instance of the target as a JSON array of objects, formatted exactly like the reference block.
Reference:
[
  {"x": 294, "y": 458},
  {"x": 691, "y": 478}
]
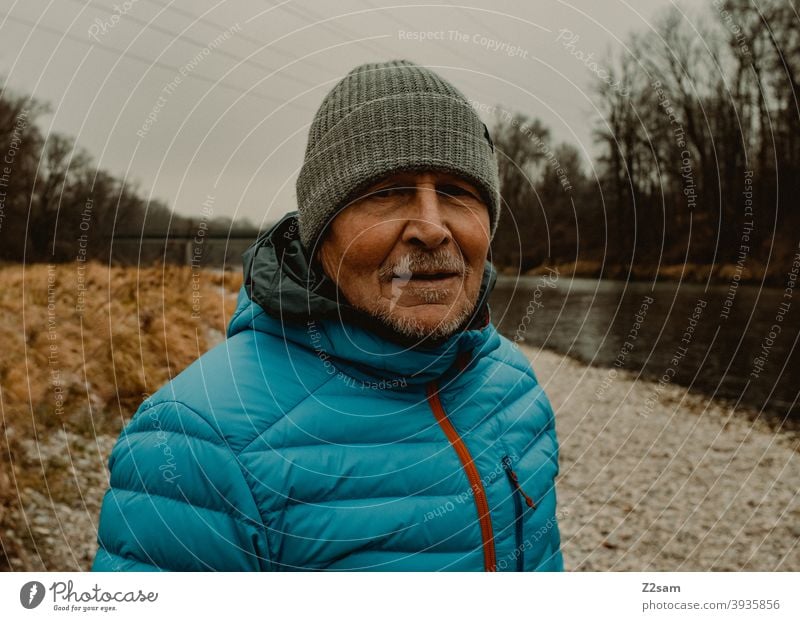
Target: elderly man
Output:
[{"x": 363, "y": 413}]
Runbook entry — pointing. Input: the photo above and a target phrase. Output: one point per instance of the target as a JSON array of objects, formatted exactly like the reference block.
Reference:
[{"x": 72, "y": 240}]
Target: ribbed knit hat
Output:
[{"x": 382, "y": 118}]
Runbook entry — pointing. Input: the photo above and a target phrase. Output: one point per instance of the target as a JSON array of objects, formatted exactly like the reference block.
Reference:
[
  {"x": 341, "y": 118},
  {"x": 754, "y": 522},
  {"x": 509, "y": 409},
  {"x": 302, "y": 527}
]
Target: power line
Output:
[
  {"x": 142, "y": 59},
  {"x": 202, "y": 44},
  {"x": 243, "y": 36}
]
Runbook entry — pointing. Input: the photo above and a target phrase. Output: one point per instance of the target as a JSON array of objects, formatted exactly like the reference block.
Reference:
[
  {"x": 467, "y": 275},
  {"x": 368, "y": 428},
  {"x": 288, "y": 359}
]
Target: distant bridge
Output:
[{"x": 208, "y": 250}]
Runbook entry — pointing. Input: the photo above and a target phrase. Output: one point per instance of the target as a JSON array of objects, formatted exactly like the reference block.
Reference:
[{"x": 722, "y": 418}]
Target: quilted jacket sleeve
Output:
[{"x": 178, "y": 499}]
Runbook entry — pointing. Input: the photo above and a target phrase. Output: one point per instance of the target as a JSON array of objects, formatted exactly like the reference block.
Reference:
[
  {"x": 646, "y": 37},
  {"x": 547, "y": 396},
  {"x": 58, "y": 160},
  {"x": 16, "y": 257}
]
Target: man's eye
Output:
[
  {"x": 388, "y": 192},
  {"x": 455, "y": 190}
]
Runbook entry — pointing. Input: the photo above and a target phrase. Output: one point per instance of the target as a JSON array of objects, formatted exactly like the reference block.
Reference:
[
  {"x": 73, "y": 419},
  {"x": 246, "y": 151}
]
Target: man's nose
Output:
[{"x": 426, "y": 223}]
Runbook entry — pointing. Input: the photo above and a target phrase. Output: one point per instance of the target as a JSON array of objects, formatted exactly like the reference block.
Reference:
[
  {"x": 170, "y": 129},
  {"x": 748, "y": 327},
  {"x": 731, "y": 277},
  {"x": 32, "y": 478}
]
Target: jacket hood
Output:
[{"x": 286, "y": 294}]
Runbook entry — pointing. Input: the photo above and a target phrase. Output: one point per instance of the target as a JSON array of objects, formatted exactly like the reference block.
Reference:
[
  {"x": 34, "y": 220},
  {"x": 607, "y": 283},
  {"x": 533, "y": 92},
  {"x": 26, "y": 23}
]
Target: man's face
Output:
[{"x": 410, "y": 251}]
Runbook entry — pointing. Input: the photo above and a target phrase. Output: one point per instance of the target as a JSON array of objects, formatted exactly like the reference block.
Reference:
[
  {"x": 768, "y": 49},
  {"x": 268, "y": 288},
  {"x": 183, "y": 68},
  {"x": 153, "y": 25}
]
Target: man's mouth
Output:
[
  {"x": 435, "y": 286},
  {"x": 425, "y": 276}
]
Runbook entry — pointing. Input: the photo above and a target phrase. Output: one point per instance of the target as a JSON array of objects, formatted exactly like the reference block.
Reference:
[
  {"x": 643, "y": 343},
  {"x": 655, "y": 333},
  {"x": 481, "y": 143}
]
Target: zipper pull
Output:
[{"x": 515, "y": 481}]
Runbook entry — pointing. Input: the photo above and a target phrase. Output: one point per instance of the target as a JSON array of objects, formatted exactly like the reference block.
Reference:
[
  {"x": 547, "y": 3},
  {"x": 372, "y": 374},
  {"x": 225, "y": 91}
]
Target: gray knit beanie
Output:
[{"x": 386, "y": 117}]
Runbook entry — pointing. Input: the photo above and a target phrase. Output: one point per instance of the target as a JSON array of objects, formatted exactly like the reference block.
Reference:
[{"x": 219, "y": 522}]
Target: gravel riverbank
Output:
[
  {"x": 57, "y": 531},
  {"x": 686, "y": 484}
]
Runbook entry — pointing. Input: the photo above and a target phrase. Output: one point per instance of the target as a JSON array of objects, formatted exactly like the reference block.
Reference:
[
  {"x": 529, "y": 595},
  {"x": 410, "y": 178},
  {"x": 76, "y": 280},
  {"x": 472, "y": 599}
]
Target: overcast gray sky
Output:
[{"x": 214, "y": 98}]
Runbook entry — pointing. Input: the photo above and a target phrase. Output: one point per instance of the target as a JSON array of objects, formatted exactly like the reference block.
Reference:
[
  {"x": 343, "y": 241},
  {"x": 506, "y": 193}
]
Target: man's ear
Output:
[{"x": 321, "y": 261}]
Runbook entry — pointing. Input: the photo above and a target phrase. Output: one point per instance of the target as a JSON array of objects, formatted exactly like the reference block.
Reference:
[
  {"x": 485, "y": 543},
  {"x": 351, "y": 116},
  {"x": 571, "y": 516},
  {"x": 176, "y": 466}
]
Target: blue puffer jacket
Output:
[{"x": 307, "y": 442}]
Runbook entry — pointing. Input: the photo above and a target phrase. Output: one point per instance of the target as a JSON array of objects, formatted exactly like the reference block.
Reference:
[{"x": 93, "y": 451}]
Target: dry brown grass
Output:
[{"x": 87, "y": 372}]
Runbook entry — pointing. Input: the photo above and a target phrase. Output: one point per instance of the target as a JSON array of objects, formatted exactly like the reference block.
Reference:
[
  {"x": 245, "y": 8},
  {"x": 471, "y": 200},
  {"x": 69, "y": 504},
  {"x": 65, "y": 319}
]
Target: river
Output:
[{"x": 737, "y": 343}]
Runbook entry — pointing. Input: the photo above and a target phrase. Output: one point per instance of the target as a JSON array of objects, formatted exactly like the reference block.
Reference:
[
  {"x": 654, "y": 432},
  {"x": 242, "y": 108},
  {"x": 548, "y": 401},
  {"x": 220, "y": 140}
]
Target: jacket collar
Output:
[{"x": 287, "y": 295}]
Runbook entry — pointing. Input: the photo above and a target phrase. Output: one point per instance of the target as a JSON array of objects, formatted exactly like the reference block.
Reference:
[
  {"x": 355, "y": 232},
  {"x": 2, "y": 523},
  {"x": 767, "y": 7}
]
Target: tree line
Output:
[
  {"x": 699, "y": 141},
  {"x": 56, "y": 205}
]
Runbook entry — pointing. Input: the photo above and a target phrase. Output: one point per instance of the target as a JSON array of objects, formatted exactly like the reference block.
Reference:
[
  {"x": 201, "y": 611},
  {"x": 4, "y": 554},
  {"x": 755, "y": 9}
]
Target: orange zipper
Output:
[{"x": 482, "y": 504}]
